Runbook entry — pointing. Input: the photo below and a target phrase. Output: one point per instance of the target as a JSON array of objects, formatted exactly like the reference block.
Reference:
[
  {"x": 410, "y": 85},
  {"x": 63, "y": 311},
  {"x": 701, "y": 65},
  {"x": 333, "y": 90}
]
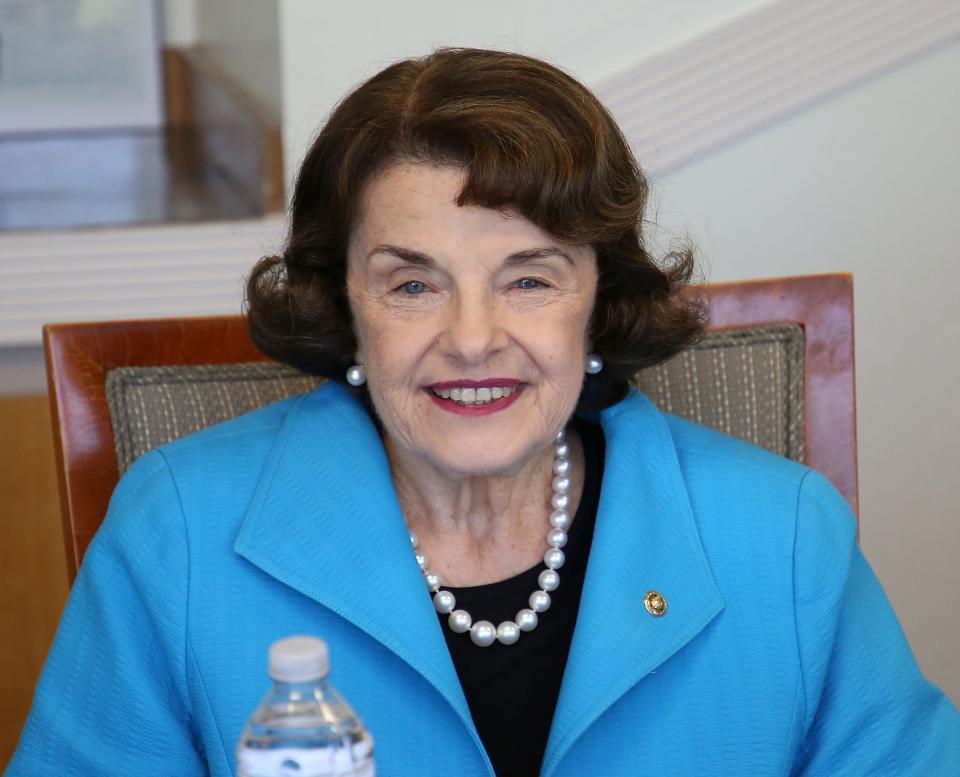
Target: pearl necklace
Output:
[{"x": 484, "y": 633}]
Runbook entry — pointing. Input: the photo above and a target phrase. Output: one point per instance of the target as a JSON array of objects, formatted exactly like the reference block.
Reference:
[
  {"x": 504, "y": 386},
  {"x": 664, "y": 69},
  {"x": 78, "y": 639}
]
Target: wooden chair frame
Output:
[{"x": 80, "y": 355}]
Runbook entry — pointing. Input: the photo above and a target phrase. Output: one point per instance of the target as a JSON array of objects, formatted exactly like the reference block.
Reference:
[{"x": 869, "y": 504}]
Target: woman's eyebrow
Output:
[
  {"x": 413, "y": 257},
  {"x": 532, "y": 254},
  {"x": 516, "y": 258}
]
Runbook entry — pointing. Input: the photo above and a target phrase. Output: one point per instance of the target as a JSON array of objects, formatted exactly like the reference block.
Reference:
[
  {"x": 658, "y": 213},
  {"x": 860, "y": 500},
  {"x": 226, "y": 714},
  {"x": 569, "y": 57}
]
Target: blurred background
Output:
[{"x": 146, "y": 148}]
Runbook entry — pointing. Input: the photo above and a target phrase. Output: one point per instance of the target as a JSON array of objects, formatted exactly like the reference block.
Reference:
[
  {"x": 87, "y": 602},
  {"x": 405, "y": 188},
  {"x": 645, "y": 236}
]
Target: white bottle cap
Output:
[{"x": 299, "y": 660}]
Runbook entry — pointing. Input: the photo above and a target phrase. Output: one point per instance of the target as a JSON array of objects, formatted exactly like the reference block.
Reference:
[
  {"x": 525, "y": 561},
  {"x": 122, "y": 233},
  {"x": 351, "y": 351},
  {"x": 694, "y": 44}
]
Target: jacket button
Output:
[{"x": 656, "y": 605}]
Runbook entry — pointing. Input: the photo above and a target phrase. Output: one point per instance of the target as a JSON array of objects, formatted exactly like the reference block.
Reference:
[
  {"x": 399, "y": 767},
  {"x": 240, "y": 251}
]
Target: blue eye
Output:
[
  {"x": 413, "y": 287},
  {"x": 529, "y": 283}
]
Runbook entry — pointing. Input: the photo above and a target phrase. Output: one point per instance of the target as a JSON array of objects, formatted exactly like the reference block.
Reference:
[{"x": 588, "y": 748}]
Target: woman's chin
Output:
[{"x": 470, "y": 455}]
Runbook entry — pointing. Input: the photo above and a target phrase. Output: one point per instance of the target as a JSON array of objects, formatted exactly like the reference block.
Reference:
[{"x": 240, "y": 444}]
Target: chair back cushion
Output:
[
  {"x": 744, "y": 382},
  {"x": 150, "y": 406},
  {"x": 747, "y": 383}
]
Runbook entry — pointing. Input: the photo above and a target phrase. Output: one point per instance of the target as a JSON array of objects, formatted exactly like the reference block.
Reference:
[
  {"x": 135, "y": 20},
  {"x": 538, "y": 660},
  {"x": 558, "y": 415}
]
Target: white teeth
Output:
[{"x": 476, "y": 396}]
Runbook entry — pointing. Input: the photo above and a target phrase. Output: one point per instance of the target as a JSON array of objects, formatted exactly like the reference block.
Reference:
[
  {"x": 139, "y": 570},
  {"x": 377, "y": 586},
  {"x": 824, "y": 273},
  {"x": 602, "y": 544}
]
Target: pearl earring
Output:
[
  {"x": 356, "y": 375},
  {"x": 592, "y": 364}
]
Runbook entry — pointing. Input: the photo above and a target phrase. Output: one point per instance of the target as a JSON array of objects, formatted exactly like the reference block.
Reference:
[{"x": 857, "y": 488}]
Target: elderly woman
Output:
[{"x": 521, "y": 566}]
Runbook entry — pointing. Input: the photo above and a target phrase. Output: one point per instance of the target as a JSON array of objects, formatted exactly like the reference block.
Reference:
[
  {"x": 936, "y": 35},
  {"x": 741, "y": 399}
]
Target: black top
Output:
[{"x": 512, "y": 690}]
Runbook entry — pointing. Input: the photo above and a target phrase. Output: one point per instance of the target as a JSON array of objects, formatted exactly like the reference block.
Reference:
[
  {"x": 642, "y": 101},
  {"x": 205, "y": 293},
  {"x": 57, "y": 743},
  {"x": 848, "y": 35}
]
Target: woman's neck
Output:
[{"x": 481, "y": 529}]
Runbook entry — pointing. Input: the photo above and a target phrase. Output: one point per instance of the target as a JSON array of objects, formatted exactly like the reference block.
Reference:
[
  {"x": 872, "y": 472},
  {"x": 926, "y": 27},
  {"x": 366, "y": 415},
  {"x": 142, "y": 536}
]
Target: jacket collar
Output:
[
  {"x": 645, "y": 540},
  {"x": 325, "y": 520}
]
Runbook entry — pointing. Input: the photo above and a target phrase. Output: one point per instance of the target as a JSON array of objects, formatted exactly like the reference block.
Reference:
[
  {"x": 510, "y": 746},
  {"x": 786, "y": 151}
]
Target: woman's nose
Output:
[{"x": 474, "y": 330}]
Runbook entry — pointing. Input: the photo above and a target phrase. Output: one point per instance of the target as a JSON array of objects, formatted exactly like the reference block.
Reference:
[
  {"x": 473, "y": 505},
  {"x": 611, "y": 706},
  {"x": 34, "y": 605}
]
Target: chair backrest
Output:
[{"x": 776, "y": 369}]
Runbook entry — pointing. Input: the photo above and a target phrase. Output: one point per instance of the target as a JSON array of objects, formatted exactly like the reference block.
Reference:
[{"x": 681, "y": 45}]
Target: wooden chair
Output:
[{"x": 83, "y": 360}]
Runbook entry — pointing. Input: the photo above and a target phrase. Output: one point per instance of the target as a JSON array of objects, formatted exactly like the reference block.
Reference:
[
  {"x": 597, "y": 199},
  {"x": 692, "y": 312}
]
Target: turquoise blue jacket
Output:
[{"x": 778, "y": 655}]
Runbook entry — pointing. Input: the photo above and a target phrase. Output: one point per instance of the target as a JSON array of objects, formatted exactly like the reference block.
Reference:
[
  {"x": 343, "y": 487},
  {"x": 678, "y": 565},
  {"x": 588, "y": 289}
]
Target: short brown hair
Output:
[{"x": 532, "y": 140}]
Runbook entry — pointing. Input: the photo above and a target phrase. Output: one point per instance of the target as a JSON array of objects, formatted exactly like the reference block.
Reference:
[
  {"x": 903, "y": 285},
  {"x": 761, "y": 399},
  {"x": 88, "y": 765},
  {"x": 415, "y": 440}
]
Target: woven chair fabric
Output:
[
  {"x": 150, "y": 406},
  {"x": 744, "y": 382},
  {"x": 747, "y": 383}
]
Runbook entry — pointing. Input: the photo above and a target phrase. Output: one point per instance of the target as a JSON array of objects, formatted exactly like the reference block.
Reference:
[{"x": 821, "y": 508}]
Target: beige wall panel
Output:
[{"x": 33, "y": 579}]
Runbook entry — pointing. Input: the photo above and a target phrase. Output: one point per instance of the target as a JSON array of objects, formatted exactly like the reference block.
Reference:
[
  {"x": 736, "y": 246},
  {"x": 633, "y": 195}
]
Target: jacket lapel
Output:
[
  {"x": 645, "y": 540},
  {"x": 325, "y": 520}
]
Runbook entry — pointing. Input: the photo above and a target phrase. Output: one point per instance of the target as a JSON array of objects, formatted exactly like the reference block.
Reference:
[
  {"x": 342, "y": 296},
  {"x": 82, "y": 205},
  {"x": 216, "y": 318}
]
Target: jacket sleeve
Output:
[
  {"x": 112, "y": 698},
  {"x": 868, "y": 709}
]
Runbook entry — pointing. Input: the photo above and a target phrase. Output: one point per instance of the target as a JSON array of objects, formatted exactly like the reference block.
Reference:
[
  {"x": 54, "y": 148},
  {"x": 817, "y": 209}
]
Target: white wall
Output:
[
  {"x": 179, "y": 23},
  {"x": 330, "y": 47},
  {"x": 868, "y": 182},
  {"x": 242, "y": 38}
]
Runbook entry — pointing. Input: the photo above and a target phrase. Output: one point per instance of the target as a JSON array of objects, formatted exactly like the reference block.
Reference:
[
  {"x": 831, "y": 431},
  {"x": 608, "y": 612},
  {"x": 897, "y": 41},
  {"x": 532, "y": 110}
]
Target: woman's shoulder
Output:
[
  {"x": 697, "y": 446},
  {"x": 238, "y": 437},
  {"x": 211, "y": 472},
  {"x": 720, "y": 455},
  {"x": 742, "y": 494}
]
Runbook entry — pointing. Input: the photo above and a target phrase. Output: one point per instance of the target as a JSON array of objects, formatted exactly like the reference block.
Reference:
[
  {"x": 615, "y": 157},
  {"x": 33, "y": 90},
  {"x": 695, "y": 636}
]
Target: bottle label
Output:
[{"x": 306, "y": 762}]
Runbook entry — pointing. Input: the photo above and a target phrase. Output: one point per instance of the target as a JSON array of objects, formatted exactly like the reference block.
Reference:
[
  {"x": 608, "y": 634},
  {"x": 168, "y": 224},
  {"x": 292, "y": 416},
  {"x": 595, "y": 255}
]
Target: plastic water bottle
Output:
[{"x": 303, "y": 727}]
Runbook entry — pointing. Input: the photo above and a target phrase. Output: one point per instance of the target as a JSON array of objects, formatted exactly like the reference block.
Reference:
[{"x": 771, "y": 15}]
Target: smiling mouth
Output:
[{"x": 475, "y": 397}]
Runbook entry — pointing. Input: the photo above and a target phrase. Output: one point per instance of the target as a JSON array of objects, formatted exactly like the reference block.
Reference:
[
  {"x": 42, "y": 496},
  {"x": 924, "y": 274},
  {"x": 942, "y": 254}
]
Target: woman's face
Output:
[{"x": 471, "y": 324}]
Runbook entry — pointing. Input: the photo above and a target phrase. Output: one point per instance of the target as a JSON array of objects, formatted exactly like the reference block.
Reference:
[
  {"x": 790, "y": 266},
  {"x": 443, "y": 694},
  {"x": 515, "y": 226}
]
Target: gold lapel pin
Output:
[{"x": 655, "y": 603}]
